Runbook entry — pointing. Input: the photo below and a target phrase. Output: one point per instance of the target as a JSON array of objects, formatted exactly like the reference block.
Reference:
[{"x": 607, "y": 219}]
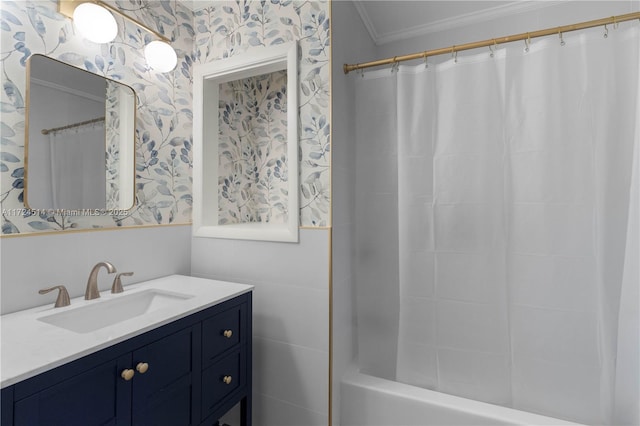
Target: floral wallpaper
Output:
[
  {"x": 252, "y": 150},
  {"x": 227, "y": 28},
  {"x": 218, "y": 30},
  {"x": 112, "y": 144},
  {"x": 164, "y": 114}
]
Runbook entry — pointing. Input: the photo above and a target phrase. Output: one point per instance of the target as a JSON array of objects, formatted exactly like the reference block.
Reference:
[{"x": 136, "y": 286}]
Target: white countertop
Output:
[{"x": 30, "y": 347}]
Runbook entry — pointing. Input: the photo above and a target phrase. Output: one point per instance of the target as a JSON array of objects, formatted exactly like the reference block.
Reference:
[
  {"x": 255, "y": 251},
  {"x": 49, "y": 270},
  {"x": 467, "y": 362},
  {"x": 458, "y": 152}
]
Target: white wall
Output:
[
  {"x": 290, "y": 320},
  {"x": 29, "y": 263},
  {"x": 350, "y": 42},
  {"x": 548, "y": 15}
]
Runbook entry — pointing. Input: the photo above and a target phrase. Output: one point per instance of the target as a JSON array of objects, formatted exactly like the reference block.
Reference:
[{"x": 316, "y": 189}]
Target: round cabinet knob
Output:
[
  {"x": 227, "y": 334},
  {"x": 142, "y": 367},
  {"x": 127, "y": 374},
  {"x": 227, "y": 380}
]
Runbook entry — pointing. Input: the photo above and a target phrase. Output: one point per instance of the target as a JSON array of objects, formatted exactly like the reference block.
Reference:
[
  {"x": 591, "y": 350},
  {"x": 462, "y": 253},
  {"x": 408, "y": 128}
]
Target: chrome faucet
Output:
[{"x": 92, "y": 283}]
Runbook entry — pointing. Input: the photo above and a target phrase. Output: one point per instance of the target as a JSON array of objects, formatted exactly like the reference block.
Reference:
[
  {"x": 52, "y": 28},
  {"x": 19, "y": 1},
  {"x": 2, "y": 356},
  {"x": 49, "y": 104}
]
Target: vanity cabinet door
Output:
[
  {"x": 96, "y": 397},
  {"x": 162, "y": 386}
]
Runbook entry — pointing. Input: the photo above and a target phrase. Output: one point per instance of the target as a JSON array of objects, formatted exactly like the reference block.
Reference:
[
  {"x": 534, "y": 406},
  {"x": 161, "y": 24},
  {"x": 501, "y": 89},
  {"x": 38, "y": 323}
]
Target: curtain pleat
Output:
[
  {"x": 75, "y": 181},
  {"x": 516, "y": 273}
]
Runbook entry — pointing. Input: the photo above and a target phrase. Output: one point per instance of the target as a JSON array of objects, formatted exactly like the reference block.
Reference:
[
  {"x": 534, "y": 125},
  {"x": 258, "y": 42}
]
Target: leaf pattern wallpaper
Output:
[
  {"x": 217, "y": 30},
  {"x": 112, "y": 145},
  {"x": 252, "y": 182},
  {"x": 228, "y": 28},
  {"x": 164, "y": 115}
]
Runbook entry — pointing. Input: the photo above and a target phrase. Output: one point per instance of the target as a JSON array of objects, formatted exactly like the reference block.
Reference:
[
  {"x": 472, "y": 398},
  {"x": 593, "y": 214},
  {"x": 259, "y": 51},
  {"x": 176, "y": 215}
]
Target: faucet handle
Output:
[
  {"x": 117, "y": 283},
  {"x": 63, "y": 295}
]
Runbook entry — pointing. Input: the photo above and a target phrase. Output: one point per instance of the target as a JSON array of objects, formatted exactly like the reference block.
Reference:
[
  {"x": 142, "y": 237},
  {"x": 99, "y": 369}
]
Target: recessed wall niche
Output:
[
  {"x": 245, "y": 146},
  {"x": 252, "y": 150}
]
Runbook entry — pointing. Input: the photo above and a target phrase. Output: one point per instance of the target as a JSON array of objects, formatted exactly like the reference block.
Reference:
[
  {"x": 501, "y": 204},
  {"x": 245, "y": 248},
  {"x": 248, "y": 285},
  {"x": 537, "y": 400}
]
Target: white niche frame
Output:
[{"x": 207, "y": 78}]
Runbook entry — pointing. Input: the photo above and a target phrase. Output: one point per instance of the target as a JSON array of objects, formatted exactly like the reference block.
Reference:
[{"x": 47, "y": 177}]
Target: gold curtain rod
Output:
[
  {"x": 71, "y": 126},
  {"x": 494, "y": 41}
]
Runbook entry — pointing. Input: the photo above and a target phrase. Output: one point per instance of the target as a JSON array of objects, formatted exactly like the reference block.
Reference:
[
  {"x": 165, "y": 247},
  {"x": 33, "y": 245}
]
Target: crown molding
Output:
[
  {"x": 366, "y": 20},
  {"x": 466, "y": 19},
  {"x": 66, "y": 89}
]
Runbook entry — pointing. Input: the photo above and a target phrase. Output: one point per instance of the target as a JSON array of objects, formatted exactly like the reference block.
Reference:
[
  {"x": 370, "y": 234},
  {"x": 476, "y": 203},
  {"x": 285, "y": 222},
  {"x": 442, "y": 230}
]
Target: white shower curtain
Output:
[
  {"x": 514, "y": 217},
  {"x": 76, "y": 182}
]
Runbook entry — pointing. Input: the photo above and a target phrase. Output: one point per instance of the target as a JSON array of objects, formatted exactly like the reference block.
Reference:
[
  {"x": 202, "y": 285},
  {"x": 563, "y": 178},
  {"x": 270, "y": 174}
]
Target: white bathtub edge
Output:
[{"x": 353, "y": 377}]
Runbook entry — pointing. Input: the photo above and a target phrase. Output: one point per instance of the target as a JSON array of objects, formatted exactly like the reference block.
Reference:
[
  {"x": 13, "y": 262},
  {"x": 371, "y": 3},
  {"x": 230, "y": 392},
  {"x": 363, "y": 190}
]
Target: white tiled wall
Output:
[
  {"x": 29, "y": 263},
  {"x": 353, "y": 44},
  {"x": 376, "y": 227},
  {"x": 290, "y": 320}
]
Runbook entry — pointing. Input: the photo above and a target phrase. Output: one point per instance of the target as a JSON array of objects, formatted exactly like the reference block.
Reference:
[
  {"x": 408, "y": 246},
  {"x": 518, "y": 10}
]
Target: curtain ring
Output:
[
  {"x": 615, "y": 23},
  {"x": 606, "y": 31},
  {"x": 426, "y": 64},
  {"x": 493, "y": 48},
  {"x": 562, "y": 43},
  {"x": 527, "y": 42},
  {"x": 454, "y": 54}
]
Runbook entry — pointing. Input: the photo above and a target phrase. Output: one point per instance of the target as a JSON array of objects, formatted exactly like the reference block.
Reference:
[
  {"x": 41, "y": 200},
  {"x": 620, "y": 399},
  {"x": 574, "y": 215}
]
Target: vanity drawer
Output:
[
  {"x": 221, "y": 379},
  {"x": 221, "y": 332}
]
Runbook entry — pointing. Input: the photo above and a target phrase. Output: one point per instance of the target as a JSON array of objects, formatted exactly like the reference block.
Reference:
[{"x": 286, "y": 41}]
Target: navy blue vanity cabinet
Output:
[
  {"x": 188, "y": 372},
  {"x": 226, "y": 362},
  {"x": 6, "y": 406},
  {"x": 162, "y": 385},
  {"x": 88, "y": 397}
]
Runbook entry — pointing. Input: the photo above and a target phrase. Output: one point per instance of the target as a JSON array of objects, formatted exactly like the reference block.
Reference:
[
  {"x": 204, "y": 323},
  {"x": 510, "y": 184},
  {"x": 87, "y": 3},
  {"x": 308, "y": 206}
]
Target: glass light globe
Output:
[
  {"x": 95, "y": 23},
  {"x": 160, "y": 56}
]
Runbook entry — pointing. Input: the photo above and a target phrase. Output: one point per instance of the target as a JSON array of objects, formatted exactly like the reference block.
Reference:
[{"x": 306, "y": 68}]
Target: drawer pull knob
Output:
[
  {"x": 227, "y": 334},
  {"x": 142, "y": 367},
  {"x": 227, "y": 380},
  {"x": 127, "y": 374}
]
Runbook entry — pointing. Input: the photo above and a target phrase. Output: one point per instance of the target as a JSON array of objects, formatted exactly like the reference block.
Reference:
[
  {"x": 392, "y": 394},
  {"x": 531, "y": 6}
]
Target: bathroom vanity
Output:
[{"x": 185, "y": 360}]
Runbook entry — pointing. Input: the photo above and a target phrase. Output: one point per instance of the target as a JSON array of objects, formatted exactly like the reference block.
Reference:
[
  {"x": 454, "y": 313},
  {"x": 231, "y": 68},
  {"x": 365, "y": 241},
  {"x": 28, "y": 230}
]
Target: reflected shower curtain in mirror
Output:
[
  {"x": 75, "y": 181},
  {"x": 514, "y": 224}
]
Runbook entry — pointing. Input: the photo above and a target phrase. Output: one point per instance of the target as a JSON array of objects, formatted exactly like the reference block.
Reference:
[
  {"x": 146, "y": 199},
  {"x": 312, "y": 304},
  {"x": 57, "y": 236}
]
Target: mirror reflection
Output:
[{"x": 79, "y": 152}]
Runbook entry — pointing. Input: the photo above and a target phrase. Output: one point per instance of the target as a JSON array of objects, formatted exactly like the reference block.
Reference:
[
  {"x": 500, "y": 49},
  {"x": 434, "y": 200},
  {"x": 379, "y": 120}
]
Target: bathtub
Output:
[{"x": 371, "y": 401}]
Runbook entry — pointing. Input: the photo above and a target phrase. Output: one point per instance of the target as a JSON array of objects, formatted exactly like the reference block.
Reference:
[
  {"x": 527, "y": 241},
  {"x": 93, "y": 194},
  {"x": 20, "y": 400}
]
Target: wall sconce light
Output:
[{"x": 94, "y": 21}]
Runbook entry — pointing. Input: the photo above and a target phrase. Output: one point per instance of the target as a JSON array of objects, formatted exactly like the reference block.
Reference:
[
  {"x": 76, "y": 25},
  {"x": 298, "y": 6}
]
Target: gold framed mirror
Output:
[{"x": 79, "y": 139}]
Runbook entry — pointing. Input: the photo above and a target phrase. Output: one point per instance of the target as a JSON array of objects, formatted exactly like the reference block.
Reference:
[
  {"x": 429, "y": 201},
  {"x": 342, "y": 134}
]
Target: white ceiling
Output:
[{"x": 392, "y": 20}]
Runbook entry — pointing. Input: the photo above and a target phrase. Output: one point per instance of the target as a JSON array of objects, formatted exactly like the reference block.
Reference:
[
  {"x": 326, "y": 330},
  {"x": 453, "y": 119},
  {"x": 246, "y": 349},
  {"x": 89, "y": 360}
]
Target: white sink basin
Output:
[{"x": 98, "y": 314}]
